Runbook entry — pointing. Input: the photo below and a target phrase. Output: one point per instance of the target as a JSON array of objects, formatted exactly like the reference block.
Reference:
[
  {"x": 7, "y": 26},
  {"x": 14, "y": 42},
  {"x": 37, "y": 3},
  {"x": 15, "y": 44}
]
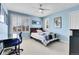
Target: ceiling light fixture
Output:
[{"x": 41, "y": 11}]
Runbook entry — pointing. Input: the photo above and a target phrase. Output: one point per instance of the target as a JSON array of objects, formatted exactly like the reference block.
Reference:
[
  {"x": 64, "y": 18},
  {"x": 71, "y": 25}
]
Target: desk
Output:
[{"x": 1, "y": 45}]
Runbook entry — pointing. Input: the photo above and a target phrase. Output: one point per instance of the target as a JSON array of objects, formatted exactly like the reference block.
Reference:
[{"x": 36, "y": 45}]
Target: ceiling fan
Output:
[{"x": 41, "y": 9}]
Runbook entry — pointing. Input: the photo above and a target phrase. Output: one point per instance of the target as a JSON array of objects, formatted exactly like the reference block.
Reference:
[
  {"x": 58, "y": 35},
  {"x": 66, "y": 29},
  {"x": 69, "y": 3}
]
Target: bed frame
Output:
[{"x": 34, "y": 30}]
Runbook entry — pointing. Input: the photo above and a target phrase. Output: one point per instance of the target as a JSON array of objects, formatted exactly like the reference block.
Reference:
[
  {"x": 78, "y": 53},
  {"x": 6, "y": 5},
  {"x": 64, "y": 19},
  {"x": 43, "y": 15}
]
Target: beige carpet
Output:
[{"x": 32, "y": 47}]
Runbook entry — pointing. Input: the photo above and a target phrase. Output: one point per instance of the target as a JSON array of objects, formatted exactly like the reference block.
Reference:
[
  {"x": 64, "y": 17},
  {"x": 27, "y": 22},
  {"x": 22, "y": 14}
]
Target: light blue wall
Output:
[{"x": 63, "y": 33}]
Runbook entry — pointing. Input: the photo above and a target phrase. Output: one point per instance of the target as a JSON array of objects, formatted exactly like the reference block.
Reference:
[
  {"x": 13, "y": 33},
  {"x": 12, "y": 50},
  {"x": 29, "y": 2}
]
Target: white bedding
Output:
[{"x": 41, "y": 37}]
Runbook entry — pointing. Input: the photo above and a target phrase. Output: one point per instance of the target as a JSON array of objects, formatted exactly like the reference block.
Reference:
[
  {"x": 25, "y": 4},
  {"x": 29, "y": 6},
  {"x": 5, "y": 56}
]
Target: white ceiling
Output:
[{"x": 32, "y": 8}]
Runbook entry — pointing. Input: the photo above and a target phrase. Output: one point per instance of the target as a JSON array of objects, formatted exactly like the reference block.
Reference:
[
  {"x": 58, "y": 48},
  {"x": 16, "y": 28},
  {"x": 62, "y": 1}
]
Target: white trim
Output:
[
  {"x": 74, "y": 12},
  {"x": 64, "y": 41}
]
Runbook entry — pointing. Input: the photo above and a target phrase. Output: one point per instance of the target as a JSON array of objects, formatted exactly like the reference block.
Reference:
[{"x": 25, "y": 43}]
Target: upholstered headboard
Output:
[{"x": 35, "y": 29}]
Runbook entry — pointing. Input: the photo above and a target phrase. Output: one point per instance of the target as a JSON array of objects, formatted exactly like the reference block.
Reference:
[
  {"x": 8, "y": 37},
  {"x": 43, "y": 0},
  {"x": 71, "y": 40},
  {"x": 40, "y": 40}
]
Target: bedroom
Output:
[{"x": 46, "y": 22}]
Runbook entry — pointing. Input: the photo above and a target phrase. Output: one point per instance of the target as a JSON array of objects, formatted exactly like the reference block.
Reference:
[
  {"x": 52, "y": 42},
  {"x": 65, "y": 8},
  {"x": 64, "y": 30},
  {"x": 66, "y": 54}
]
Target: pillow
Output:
[
  {"x": 39, "y": 31},
  {"x": 33, "y": 30}
]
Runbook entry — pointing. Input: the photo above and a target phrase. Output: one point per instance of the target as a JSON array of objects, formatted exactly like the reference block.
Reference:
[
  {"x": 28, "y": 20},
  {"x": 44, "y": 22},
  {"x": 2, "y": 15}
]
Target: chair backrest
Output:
[{"x": 20, "y": 36}]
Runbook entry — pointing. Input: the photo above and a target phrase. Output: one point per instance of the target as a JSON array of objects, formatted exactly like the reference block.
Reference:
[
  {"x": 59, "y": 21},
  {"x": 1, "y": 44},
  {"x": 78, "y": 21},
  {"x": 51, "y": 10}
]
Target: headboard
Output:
[{"x": 34, "y": 29}]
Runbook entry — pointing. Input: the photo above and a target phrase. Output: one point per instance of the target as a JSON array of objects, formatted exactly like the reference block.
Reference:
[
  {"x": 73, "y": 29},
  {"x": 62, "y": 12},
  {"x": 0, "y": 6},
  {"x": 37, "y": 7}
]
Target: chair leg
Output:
[
  {"x": 16, "y": 50},
  {"x": 19, "y": 49},
  {"x": 1, "y": 51}
]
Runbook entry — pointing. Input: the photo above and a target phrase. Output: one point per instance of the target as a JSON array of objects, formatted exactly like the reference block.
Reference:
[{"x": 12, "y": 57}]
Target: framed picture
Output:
[
  {"x": 36, "y": 22},
  {"x": 58, "y": 22},
  {"x": 33, "y": 22}
]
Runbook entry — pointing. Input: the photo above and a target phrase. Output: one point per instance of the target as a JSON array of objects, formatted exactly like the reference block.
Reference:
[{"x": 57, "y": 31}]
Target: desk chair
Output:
[{"x": 14, "y": 42}]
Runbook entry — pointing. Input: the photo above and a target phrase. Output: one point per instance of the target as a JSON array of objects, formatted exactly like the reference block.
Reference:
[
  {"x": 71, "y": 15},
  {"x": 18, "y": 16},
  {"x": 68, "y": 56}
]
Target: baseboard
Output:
[{"x": 64, "y": 41}]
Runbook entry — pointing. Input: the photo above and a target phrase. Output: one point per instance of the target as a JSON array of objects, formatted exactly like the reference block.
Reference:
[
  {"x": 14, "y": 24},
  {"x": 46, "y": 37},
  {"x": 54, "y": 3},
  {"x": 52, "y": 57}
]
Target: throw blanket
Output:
[{"x": 48, "y": 37}]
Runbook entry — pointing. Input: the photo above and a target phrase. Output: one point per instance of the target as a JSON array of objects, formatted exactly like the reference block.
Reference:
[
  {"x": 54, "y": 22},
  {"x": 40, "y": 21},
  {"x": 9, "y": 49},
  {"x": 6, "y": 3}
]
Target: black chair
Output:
[
  {"x": 14, "y": 42},
  {"x": 20, "y": 38}
]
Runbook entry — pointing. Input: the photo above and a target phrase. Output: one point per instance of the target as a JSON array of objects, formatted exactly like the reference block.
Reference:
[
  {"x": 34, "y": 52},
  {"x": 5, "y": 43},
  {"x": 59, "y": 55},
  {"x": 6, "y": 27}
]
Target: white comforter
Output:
[{"x": 41, "y": 37}]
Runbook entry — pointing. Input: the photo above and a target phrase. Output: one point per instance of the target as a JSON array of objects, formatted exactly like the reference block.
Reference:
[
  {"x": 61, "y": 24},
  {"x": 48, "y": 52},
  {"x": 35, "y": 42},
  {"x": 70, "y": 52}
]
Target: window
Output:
[
  {"x": 46, "y": 24},
  {"x": 2, "y": 18},
  {"x": 19, "y": 22}
]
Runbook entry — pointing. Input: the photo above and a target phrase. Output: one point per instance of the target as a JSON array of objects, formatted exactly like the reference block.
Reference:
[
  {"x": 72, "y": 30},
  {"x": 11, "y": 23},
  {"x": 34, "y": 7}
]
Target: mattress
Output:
[
  {"x": 38, "y": 36},
  {"x": 42, "y": 38}
]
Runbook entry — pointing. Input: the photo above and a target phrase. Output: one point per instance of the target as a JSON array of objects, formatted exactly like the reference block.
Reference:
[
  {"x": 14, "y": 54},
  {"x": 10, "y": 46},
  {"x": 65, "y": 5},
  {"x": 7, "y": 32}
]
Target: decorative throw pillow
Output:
[{"x": 39, "y": 31}]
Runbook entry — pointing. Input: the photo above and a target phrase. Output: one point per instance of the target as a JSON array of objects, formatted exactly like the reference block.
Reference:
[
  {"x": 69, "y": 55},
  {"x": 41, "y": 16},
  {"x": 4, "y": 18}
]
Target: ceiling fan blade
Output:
[
  {"x": 46, "y": 9},
  {"x": 43, "y": 9}
]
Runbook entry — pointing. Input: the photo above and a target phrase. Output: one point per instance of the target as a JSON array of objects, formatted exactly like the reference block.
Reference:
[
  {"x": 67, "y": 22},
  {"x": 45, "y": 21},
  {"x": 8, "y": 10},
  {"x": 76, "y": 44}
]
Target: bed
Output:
[{"x": 40, "y": 35}]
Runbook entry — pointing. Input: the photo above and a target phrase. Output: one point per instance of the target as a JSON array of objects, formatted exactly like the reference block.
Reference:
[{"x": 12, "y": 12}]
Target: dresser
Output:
[{"x": 74, "y": 42}]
